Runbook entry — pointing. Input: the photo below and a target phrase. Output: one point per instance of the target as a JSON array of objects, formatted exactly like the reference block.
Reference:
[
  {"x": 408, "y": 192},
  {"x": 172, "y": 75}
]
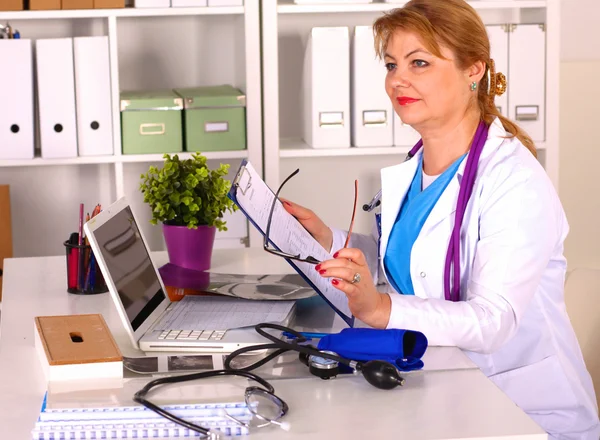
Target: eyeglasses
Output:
[{"x": 309, "y": 259}]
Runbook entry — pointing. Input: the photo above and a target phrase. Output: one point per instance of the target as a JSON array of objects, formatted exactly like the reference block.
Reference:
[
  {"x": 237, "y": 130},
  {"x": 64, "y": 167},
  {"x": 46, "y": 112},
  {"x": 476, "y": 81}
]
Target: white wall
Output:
[{"x": 579, "y": 187}]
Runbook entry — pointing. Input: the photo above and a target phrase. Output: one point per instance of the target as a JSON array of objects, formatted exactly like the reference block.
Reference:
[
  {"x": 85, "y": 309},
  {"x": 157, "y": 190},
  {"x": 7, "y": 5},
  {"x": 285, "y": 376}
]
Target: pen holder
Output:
[{"x": 83, "y": 273}]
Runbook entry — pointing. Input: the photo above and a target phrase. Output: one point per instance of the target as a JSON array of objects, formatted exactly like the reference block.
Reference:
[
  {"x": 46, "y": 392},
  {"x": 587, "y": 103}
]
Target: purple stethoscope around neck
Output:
[{"x": 451, "y": 292}]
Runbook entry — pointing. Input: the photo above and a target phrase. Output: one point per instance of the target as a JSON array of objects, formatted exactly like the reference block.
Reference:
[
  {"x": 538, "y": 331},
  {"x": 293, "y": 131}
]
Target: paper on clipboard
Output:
[{"x": 254, "y": 198}]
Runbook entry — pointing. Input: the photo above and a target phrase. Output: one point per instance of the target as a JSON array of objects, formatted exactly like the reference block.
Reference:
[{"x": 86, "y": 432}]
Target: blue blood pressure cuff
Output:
[{"x": 403, "y": 348}]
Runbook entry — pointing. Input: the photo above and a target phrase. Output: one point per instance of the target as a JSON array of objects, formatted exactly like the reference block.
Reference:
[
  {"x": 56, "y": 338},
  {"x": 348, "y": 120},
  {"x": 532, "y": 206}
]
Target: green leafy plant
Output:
[{"x": 187, "y": 193}]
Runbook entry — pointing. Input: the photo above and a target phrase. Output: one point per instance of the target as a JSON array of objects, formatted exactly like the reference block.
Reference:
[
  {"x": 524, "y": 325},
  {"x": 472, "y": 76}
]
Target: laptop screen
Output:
[{"x": 130, "y": 266}]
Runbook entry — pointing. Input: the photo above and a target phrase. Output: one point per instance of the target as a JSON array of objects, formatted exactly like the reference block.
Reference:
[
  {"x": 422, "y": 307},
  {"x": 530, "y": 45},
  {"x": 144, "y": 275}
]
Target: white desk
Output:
[{"x": 449, "y": 399}]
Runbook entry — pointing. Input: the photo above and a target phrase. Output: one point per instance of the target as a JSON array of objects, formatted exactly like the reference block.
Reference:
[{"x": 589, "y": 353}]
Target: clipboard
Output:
[{"x": 250, "y": 193}]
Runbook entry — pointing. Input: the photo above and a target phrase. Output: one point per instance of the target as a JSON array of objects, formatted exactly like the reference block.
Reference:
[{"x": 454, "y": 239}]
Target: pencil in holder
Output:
[{"x": 83, "y": 273}]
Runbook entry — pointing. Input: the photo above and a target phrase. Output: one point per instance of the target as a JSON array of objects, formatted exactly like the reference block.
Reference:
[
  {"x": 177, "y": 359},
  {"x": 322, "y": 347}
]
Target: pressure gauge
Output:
[{"x": 323, "y": 367}]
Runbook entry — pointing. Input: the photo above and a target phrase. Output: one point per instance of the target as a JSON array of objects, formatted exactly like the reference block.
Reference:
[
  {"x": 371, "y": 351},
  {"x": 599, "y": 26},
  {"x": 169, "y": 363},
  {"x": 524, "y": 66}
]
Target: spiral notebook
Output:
[
  {"x": 109, "y": 413},
  {"x": 137, "y": 422}
]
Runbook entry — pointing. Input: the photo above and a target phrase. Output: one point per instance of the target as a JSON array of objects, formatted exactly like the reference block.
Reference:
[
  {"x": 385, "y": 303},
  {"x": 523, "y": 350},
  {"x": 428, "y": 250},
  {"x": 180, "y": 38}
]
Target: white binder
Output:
[
  {"x": 93, "y": 96},
  {"x": 498, "y": 35},
  {"x": 326, "y": 88},
  {"x": 151, "y": 3},
  {"x": 404, "y": 135},
  {"x": 527, "y": 85},
  {"x": 236, "y": 233},
  {"x": 372, "y": 110},
  {"x": 16, "y": 95},
  {"x": 188, "y": 3},
  {"x": 56, "y": 97}
]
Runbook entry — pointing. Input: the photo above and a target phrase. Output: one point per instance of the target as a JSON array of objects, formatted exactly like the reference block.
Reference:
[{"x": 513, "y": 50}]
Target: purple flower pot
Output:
[{"x": 190, "y": 248}]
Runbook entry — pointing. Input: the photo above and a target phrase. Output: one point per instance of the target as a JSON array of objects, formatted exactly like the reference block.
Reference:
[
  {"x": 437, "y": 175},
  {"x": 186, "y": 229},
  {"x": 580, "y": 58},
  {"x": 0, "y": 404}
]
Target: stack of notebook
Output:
[
  {"x": 105, "y": 409},
  {"x": 136, "y": 421}
]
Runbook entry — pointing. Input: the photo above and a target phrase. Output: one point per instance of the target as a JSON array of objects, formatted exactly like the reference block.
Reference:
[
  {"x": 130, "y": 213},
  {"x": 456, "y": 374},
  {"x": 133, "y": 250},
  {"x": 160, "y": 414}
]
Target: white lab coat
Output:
[{"x": 511, "y": 320}]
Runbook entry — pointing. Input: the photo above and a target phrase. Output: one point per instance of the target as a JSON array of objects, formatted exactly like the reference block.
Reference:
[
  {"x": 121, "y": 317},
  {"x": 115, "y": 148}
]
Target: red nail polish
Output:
[
  {"x": 335, "y": 282},
  {"x": 287, "y": 203},
  {"x": 322, "y": 271},
  {"x": 336, "y": 255},
  {"x": 318, "y": 267}
]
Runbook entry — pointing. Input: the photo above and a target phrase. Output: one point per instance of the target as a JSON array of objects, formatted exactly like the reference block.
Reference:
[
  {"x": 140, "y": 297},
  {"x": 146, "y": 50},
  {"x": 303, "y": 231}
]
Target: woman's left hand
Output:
[{"x": 350, "y": 273}]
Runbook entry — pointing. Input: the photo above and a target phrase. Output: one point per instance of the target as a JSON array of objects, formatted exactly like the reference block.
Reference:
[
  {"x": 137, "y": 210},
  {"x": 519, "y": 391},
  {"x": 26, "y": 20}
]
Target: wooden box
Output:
[{"x": 77, "y": 347}]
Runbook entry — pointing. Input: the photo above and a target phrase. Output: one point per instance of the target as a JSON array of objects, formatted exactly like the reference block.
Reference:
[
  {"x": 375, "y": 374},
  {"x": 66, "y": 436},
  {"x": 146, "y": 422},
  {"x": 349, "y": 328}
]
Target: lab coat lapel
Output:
[
  {"x": 446, "y": 205},
  {"x": 395, "y": 182}
]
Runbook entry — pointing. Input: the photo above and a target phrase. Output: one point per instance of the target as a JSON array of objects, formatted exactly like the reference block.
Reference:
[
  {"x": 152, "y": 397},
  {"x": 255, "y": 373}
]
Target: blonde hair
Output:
[{"x": 457, "y": 26}]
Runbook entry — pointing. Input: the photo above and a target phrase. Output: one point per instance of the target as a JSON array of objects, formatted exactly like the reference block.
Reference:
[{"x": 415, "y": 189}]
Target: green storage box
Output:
[
  {"x": 151, "y": 122},
  {"x": 214, "y": 118}
]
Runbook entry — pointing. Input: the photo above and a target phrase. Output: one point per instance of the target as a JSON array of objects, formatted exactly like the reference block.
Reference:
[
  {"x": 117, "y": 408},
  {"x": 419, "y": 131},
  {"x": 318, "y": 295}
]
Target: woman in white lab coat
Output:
[{"x": 510, "y": 316}]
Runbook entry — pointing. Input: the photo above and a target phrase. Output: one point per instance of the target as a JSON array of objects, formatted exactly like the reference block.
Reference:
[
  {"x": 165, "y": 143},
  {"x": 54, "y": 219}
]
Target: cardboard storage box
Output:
[
  {"x": 151, "y": 122},
  {"x": 109, "y": 4},
  {"x": 77, "y": 4},
  {"x": 44, "y": 5},
  {"x": 214, "y": 118},
  {"x": 11, "y": 5}
]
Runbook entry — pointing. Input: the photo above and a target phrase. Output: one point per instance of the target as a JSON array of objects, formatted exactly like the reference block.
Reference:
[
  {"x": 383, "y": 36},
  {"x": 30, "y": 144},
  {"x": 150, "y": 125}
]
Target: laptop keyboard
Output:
[{"x": 192, "y": 335}]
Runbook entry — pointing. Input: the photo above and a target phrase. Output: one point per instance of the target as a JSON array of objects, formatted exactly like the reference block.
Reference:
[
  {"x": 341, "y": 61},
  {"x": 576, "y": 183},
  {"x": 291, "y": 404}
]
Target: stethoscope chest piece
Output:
[{"x": 322, "y": 367}]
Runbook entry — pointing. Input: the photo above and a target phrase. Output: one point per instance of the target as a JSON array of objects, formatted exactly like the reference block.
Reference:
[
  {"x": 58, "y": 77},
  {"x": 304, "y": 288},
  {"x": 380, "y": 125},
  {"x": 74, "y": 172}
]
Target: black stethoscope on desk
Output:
[
  {"x": 262, "y": 401},
  {"x": 451, "y": 292}
]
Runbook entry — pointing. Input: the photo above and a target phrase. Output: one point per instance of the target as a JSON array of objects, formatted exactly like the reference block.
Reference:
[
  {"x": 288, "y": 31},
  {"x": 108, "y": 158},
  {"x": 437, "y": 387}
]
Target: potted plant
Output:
[{"x": 189, "y": 200}]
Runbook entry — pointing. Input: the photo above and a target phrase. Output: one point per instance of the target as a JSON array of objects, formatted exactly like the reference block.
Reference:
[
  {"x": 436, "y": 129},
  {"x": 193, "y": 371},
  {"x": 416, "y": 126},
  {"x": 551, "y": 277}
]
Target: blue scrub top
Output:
[{"x": 413, "y": 213}]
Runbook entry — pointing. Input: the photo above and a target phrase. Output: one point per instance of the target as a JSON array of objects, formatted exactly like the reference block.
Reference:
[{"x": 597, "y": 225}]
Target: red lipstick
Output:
[{"x": 405, "y": 100}]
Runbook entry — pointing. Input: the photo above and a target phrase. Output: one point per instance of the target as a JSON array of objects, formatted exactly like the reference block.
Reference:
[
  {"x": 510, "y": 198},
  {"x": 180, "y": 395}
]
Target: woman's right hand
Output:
[{"x": 313, "y": 224}]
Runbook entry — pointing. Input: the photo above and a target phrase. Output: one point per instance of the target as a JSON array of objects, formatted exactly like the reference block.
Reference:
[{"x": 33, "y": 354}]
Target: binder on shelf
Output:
[
  {"x": 237, "y": 231},
  {"x": 217, "y": 3},
  {"x": 188, "y": 3},
  {"x": 404, "y": 134},
  {"x": 152, "y": 3},
  {"x": 16, "y": 90},
  {"x": 372, "y": 110},
  {"x": 498, "y": 35},
  {"x": 92, "y": 96},
  {"x": 326, "y": 88},
  {"x": 56, "y": 97},
  {"x": 526, "y": 88}
]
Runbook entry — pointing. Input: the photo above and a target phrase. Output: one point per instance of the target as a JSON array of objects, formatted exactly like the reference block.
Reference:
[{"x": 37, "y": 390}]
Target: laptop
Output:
[{"x": 152, "y": 320}]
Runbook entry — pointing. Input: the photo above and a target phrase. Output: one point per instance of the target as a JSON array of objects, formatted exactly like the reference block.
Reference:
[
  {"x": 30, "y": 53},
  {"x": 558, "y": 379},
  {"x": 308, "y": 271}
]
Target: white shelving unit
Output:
[
  {"x": 259, "y": 48},
  {"x": 326, "y": 179},
  {"x": 148, "y": 49}
]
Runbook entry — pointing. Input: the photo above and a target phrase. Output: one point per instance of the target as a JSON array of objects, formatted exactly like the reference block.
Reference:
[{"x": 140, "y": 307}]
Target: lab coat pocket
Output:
[{"x": 539, "y": 388}]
